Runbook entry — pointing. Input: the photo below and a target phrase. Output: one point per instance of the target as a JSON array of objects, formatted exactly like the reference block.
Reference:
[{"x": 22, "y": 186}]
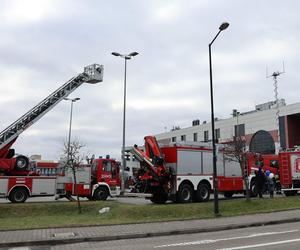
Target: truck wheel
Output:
[
  {"x": 228, "y": 194},
  {"x": 203, "y": 192},
  {"x": 100, "y": 194},
  {"x": 185, "y": 194},
  {"x": 290, "y": 193},
  {"x": 159, "y": 197},
  {"x": 21, "y": 163},
  {"x": 18, "y": 195}
]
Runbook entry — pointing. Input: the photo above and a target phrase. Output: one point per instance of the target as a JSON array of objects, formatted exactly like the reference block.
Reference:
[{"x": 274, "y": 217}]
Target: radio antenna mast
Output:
[{"x": 275, "y": 84}]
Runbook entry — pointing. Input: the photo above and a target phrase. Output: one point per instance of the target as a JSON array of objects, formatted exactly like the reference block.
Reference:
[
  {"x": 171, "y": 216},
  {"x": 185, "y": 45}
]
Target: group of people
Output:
[{"x": 265, "y": 178}]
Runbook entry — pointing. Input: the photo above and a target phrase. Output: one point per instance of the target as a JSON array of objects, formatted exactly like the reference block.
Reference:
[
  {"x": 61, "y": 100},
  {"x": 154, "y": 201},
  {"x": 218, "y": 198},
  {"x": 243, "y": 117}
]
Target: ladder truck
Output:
[{"x": 17, "y": 181}]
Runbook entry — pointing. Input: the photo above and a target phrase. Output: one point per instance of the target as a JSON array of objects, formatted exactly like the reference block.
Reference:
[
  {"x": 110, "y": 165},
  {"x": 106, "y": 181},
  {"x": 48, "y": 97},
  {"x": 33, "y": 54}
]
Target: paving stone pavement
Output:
[{"x": 114, "y": 232}]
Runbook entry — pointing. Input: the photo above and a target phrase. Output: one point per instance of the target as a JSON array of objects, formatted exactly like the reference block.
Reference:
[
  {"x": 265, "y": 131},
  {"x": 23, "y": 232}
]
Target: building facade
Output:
[{"x": 267, "y": 129}]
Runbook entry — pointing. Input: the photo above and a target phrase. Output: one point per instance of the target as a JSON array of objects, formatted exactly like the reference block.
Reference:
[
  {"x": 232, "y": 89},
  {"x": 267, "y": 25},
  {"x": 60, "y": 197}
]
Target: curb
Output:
[{"x": 52, "y": 242}]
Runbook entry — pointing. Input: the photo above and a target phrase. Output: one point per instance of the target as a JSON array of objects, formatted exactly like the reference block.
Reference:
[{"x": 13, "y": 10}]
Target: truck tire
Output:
[
  {"x": 21, "y": 163},
  {"x": 185, "y": 194},
  {"x": 228, "y": 194},
  {"x": 203, "y": 192},
  {"x": 159, "y": 197},
  {"x": 100, "y": 194},
  {"x": 18, "y": 195},
  {"x": 290, "y": 193}
]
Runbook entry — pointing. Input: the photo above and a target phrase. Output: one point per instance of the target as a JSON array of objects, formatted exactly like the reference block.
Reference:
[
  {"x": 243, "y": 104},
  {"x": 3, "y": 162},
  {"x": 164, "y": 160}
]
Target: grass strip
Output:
[{"x": 65, "y": 214}]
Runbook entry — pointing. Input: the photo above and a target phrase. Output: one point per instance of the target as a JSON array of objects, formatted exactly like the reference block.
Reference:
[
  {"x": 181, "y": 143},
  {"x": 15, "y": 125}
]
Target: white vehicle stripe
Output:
[{"x": 202, "y": 242}]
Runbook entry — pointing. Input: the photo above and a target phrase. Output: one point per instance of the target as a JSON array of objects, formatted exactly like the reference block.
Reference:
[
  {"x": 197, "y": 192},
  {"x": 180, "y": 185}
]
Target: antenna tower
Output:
[{"x": 275, "y": 84}]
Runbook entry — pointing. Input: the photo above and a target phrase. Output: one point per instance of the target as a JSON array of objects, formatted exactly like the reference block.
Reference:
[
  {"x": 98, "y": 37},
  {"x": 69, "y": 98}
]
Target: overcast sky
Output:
[{"x": 45, "y": 43}]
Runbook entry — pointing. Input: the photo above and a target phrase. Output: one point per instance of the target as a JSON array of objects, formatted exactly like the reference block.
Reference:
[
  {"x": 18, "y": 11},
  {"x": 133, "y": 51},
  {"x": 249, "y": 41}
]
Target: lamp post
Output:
[
  {"x": 126, "y": 57},
  {"x": 222, "y": 27},
  {"x": 70, "y": 127}
]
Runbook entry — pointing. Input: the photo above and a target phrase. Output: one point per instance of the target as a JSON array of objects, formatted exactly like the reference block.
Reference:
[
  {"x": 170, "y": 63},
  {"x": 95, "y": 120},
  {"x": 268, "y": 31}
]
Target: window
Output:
[
  {"x": 274, "y": 163},
  {"x": 239, "y": 130},
  {"x": 217, "y": 133},
  {"x": 94, "y": 165},
  {"x": 174, "y": 139},
  {"x": 195, "y": 136},
  {"x": 183, "y": 138},
  {"x": 206, "y": 135},
  {"x": 127, "y": 157},
  {"x": 107, "y": 166},
  {"x": 133, "y": 158}
]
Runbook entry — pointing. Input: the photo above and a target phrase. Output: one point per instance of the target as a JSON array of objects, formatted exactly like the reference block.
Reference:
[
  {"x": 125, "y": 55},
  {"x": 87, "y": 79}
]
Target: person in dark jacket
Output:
[
  {"x": 271, "y": 184},
  {"x": 260, "y": 182}
]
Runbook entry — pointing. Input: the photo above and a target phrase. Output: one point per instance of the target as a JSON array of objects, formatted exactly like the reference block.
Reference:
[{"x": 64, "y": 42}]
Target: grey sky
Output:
[{"x": 45, "y": 43}]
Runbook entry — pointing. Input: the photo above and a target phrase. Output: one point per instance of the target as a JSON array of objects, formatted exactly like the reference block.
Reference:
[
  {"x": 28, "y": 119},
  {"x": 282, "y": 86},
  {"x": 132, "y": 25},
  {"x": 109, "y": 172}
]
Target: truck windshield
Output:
[
  {"x": 94, "y": 166},
  {"x": 107, "y": 166}
]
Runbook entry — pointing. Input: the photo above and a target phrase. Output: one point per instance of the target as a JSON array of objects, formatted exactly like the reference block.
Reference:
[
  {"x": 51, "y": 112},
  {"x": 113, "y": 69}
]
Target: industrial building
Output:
[{"x": 262, "y": 128}]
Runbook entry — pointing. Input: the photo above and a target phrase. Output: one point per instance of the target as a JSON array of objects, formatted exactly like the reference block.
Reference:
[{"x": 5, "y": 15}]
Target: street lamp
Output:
[
  {"x": 71, "y": 113},
  {"x": 126, "y": 57},
  {"x": 222, "y": 27}
]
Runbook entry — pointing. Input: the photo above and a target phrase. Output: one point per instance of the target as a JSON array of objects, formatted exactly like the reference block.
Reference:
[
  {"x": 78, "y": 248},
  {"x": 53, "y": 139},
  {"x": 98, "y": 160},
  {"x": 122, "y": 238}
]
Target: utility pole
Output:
[{"x": 275, "y": 84}]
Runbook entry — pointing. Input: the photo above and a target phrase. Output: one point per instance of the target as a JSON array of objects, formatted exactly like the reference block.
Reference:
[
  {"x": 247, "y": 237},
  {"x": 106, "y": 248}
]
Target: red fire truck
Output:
[
  {"x": 17, "y": 180},
  {"x": 96, "y": 181},
  {"x": 183, "y": 173},
  {"x": 289, "y": 162}
]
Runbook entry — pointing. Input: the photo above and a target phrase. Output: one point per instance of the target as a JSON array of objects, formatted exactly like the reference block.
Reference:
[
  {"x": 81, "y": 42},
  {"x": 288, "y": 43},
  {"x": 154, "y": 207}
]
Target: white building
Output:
[{"x": 259, "y": 127}]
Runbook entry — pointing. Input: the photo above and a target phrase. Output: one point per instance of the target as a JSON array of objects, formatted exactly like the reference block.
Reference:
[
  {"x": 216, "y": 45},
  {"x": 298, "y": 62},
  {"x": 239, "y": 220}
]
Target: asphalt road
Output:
[
  {"x": 276, "y": 237},
  {"x": 130, "y": 200}
]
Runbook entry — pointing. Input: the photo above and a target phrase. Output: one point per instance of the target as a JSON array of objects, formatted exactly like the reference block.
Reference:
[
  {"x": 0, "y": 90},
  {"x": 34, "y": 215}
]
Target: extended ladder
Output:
[{"x": 92, "y": 74}]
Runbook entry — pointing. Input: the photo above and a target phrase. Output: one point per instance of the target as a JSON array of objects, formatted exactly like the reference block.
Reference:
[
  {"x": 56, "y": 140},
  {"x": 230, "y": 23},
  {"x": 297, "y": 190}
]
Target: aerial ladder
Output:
[{"x": 12, "y": 164}]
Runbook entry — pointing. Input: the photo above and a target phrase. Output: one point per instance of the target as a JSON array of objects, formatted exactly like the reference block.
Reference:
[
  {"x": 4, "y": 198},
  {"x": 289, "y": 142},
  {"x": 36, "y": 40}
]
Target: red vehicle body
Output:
[
  {"x": 183, "y": 173},
  {"x": 11, "y": 164},
  {"x": 95, "y": 182},
  {"x": 18, "y": 188},
  {"x": 289, "y": 163}
]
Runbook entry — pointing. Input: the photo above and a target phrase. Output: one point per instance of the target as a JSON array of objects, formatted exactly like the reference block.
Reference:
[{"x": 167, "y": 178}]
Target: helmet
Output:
[
  {"x": 267, "y": 172},
  {"x": 271, "y": 175}
]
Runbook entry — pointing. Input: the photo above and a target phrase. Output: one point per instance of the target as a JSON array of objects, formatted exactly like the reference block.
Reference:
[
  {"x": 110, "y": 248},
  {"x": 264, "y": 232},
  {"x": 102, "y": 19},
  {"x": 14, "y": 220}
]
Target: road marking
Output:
[
  {"x": 202, "y": 242},
  {"x": 20, "y": 248},
  {"x": 261, "y": 245}
]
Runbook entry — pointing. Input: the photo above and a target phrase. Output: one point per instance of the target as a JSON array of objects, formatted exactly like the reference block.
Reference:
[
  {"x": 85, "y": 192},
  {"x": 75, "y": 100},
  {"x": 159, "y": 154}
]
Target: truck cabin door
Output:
[{"x": 109, "y": 173}]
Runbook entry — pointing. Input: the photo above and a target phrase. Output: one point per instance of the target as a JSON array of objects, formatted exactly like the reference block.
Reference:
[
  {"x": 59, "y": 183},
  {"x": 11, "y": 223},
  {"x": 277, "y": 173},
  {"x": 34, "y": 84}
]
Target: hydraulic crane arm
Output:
[
  {"x": 92, "y": 74},
  {"x": 152, "y": 158}
]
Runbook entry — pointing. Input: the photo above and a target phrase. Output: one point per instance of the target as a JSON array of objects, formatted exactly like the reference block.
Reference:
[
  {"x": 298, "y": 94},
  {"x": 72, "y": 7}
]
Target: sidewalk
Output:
[{"x": 115, "y": 232}]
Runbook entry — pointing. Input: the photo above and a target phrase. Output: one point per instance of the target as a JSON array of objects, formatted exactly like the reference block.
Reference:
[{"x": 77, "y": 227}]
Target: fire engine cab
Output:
[{"x": 95, "y": 181}]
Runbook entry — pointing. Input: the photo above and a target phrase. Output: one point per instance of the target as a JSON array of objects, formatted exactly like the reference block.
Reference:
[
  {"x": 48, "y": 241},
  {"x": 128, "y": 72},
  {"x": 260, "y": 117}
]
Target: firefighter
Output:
[
  {"x": 277, "y": 183},
  {"x": 260, "y": 181},
  {"x": 271, "y": 184}
]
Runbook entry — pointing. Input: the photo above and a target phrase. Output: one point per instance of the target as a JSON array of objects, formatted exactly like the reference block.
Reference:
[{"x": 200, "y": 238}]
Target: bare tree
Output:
[
  {"x": 235, "y": 150},
  {"x": 74, "y": 159}
]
